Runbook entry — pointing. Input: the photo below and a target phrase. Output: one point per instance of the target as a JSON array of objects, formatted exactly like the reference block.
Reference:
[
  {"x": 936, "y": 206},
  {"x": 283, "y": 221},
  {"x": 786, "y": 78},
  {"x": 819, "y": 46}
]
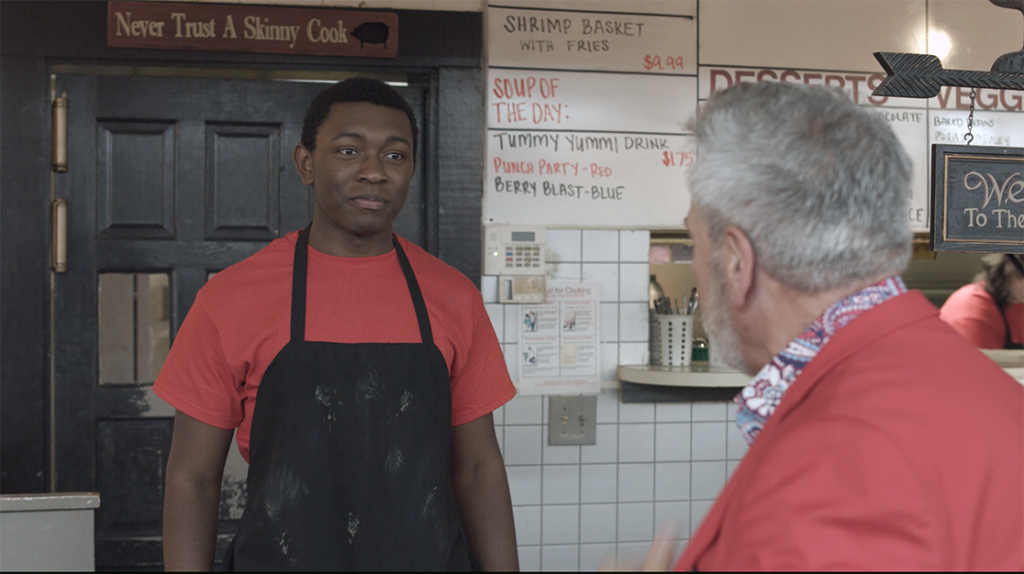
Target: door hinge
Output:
[
  {"x": 59, "y": 243},
  {"x": 59, "y": 111}
]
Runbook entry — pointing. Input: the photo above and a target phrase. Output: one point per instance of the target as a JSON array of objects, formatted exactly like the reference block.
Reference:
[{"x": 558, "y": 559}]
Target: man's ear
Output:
[
  {"x": 739, "y": 262},
  {"x": 303, "y": 163}
]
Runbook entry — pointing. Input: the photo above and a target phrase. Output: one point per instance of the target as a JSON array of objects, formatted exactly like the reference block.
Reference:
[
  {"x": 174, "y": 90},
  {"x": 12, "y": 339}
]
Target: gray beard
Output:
[{"x": 722, "y": 336}]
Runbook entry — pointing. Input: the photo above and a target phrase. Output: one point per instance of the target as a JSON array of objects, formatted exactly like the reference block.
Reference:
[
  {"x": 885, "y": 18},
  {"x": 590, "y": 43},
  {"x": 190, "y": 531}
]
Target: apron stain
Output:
[
  {"x": 283, "y": 488},
  {"x": 322, "y": 398},
  {"x": 425, "y": 510},
  {"x": 370, "y": 386},
  {"x": 394, "y": 459},
  {"x": 406, "y": 401},
  {"x": 353, "y": 526}
]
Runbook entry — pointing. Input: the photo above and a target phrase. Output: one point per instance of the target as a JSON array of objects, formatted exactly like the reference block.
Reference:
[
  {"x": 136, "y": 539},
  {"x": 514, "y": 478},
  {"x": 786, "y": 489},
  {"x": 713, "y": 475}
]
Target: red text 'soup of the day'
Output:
[{"x": 509, "y": 112}]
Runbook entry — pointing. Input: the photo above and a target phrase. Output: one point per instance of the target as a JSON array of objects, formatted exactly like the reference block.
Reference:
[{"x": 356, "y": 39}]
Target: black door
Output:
[{"x": 169, "y": 180}]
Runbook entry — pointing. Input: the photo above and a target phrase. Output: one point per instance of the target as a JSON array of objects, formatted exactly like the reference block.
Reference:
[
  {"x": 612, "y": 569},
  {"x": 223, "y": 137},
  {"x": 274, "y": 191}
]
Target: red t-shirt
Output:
[
  {"x": 241, "y": 320},
  {"x": 971, "y": 311}
]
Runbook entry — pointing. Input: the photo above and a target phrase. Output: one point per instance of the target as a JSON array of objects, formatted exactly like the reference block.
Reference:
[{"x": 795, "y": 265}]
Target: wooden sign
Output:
[
  {"x": 240, "y": 28},
  {"x": 978, "y": 195}
]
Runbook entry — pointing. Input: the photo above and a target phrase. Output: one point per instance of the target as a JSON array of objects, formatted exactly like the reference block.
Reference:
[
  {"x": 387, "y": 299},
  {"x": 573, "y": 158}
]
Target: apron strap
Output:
[
  {"x": 414, "y": 290},
  {"x": 299, "y": 272},
  {"x": 299, "y": 285}
]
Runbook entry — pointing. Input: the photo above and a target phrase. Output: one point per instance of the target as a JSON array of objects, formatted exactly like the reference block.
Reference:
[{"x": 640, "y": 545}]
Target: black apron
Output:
[{"x": 349, "y": 453}]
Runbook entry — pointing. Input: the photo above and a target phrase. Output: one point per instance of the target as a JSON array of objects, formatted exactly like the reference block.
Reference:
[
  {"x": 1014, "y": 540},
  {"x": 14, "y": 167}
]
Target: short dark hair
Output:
[{"x": 353, "y": 90}]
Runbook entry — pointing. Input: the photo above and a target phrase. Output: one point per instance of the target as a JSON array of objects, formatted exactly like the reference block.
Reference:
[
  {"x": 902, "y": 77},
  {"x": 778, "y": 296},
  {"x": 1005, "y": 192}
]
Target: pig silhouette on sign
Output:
[{"x": 372, "y": 33}]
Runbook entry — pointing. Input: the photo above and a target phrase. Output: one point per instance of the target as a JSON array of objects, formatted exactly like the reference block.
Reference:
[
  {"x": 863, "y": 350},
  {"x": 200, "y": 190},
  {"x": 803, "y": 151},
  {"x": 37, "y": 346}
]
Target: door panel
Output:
[
  {"x": 169, "y": 180},
  {"x": 243, "y": 189},
  {"x": 135, "y": 179}
]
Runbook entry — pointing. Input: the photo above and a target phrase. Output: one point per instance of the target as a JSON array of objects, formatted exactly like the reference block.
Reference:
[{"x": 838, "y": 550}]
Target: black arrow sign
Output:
[{"x": 921, "y": 76}]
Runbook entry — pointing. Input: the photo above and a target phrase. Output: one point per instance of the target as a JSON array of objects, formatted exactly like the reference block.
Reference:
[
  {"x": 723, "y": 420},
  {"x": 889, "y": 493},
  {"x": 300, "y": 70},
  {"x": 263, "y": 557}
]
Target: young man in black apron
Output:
[{"x": 371, "y": 445}]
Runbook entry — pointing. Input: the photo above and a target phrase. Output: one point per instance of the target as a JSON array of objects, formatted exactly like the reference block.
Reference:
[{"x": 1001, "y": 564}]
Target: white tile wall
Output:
[
  {"x": 560, "y": 524},
  {"x": 524, "y": 483},
  {"x": 636, "y": 442},
  {"x": 607, "y": 447},
  {"x": 634, "y": 246},
  {"x": 560, "y": 558},
  {"x": 599, "y": 483},
  {"x": 672, "y": 481},
  {"x": 675, "y": 513},
  {"x": 634, "y": 280},
  {"x": 529, "y": 558},
  {"x": 672, "y": 442},
  {"x": 707, "y": 479},
  {"x": 592, "y": 555},
  {"x": 709, "y": 441},
  {"x": 561, "y": 484},
  {"x": 600, "y": 245},
  {"x": 636, "y": 413},
  {"x": 598, "y": 522},
  {"x": 577, "y": 505},
  {"x": 636, "y": 521},
  {"x": 607, "y": 275},
  {"x": 564, "y": 245},
  {"x": 633, "y": 322},
  {"x": 636, "y": 482},
  {"x": 609, "y": 322},
  {"x": 527, "y": 519}
]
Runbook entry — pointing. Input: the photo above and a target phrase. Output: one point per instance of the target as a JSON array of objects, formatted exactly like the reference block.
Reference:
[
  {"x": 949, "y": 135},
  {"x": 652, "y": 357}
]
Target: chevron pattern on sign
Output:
[{"x": 921, "y": 76}]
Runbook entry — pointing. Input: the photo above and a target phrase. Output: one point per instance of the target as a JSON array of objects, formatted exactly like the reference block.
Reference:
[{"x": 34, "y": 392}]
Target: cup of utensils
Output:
[
  {"x": 666, "y": 306},
  {"x": 671, "y": 333}
]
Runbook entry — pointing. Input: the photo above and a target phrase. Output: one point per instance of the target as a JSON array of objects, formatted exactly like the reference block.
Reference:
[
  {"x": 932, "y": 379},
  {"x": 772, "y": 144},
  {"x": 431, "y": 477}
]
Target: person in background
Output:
[
  {"x": 359, "y": 371},
  {"x": 872, "y": 445},
  {"x": 990, "y": 311}
]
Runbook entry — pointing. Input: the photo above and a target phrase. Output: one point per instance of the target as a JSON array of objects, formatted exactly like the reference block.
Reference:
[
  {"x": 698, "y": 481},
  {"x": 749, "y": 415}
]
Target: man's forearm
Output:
[
  {"x": 486, "y": 509},
  {"x": 190, "y": 524}
]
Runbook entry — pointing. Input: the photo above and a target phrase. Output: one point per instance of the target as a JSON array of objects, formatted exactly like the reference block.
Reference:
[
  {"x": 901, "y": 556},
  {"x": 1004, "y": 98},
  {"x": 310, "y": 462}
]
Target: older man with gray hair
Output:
[{"x": 880, "y": 439}]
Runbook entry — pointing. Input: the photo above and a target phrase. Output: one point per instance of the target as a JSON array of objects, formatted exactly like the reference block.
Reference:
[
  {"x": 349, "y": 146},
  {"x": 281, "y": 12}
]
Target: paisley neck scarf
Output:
[{"x": 758, "y": 400}]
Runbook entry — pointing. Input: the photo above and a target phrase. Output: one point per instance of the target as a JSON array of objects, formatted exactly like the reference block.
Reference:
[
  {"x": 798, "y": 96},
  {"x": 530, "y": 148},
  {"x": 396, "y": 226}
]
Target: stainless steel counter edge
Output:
[{"x": 55, "y": 501}]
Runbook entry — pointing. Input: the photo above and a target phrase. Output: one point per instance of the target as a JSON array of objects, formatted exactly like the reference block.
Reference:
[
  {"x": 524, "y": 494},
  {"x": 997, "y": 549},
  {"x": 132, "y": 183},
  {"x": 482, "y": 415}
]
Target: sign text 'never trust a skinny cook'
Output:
[{"x": 238, "y": 28}]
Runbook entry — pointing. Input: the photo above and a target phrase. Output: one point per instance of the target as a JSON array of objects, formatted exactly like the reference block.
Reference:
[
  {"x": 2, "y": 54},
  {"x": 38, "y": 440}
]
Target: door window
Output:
[{"x": 134, "y": 326}]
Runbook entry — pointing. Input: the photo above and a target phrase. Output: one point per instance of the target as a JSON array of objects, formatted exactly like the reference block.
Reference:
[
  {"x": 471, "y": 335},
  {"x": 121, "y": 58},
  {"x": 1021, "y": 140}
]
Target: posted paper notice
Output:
[{"x": 560, "y": 341}]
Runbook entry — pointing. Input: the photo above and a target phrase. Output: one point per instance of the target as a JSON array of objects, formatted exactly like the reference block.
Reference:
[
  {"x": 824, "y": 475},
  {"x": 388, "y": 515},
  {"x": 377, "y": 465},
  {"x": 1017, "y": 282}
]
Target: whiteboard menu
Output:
[
  {"x": 594, "y": 138},
  {"x": 586, "y": 116},
  {"x": 584, "y": 40}
]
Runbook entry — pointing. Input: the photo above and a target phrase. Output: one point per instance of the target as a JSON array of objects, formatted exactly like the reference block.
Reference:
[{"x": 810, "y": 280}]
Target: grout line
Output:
[
  {"x": 618, "y": 455},
  {"x": 691, "y": 467}
]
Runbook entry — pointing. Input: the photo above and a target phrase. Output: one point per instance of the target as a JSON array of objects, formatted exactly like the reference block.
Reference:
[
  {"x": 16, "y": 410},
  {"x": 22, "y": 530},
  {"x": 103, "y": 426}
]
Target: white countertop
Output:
[{"x": 49, "y": 501}]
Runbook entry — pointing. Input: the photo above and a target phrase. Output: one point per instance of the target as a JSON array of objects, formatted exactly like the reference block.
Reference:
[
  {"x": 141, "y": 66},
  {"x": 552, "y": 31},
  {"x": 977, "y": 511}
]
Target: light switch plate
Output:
[{"x": 572, "y": 420}]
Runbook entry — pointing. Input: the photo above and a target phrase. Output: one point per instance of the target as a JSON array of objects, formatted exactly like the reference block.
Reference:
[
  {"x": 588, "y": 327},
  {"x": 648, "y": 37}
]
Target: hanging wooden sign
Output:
[
  {"x": 978, "y": 195},
  {"x": 241, "y": 28}
]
